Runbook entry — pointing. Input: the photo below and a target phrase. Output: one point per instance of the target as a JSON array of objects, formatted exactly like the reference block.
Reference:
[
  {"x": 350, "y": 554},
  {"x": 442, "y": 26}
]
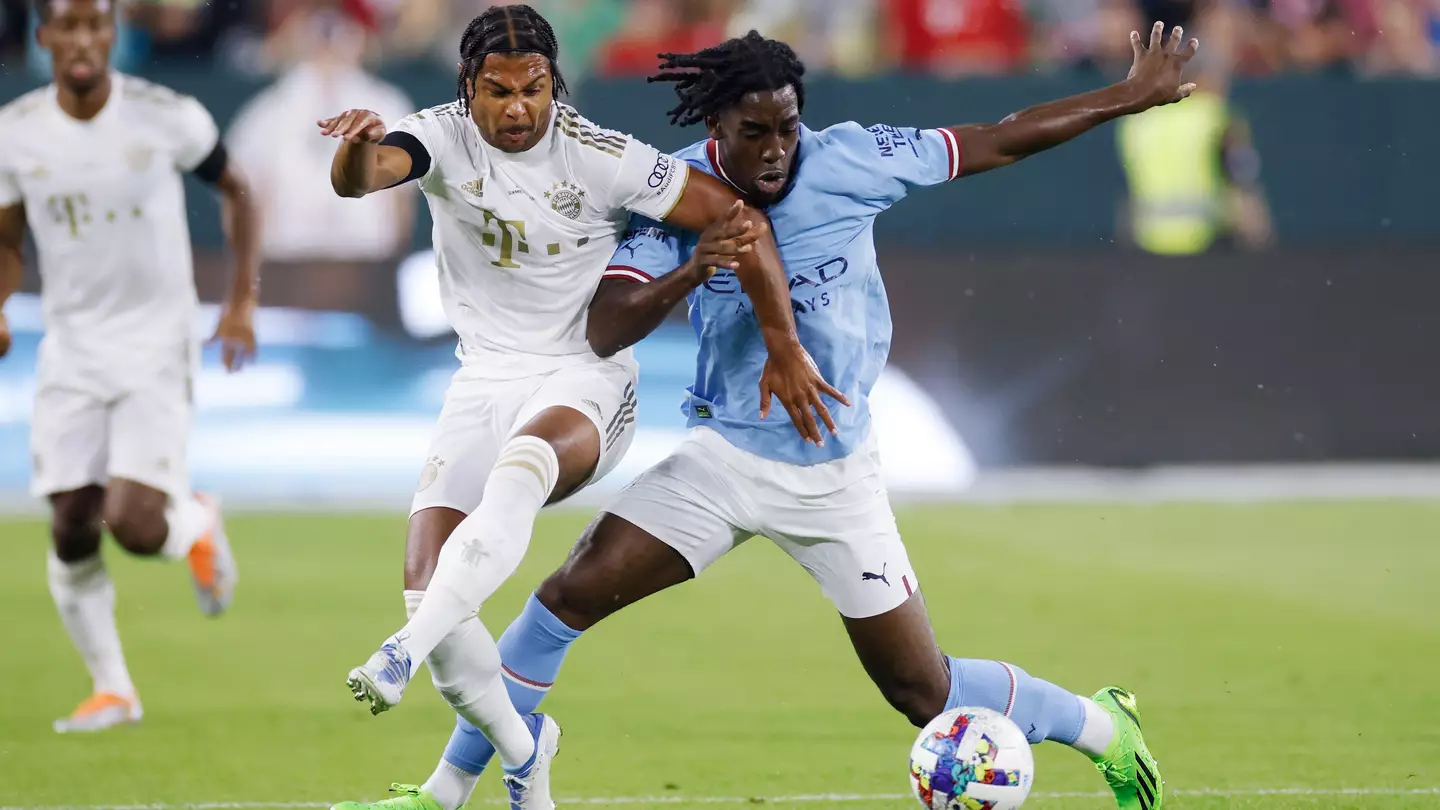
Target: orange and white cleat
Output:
[
  {"x": 100, "y": 711},
  {"x": 212, "y": 563}
]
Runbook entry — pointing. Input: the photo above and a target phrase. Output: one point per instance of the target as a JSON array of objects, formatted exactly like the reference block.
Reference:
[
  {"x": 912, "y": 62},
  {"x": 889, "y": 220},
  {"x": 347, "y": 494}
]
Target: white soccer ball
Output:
[{"x": 971, "y": 758}]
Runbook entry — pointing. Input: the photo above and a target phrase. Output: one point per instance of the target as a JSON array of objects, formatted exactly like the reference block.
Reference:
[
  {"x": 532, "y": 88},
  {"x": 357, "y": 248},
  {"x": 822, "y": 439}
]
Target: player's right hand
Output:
[
  {"x": 4, "y": 335},
  {"x": 793, "y": 378},
  {"x": 722, "y": 244},
  {"x": 354, "y": 126}
]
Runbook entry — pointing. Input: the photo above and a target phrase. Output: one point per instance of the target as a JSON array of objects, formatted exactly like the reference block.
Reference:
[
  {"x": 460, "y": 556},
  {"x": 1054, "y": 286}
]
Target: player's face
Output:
[
  {"x": 79, "y": 34},
  {"x": 510, "y": 100},
  {"x": 757, "y": 137}
]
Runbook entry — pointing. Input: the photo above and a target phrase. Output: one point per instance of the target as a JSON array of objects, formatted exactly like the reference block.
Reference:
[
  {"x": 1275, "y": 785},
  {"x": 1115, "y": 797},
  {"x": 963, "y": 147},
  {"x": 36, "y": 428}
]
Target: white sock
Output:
[
  {"x": 451, "y": 786},
  {"x": 1096, "y": 731},
  {"x": 465, "y": 668},
  {"x": 188, "y": 519},
  {"x": 486, "y": 548},
  {"x": 85, "y": 598}
]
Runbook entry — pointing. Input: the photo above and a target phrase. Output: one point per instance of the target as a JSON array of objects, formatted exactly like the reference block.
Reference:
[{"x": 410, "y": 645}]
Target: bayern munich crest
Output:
[
  {"x": 429, "y": 472},
  {"x": 566, "y": 199}
]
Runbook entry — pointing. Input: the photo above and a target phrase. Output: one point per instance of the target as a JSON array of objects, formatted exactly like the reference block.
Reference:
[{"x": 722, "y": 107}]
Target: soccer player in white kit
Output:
[
  {"x": 93, "y": 163},
  {"x": 529, "y": 201}
]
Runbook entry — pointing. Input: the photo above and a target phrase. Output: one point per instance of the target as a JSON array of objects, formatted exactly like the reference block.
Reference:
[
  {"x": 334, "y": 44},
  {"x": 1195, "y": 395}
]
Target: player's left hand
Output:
[
  {"x": 236, "y": 335},
  {"x": 1157, "y": 71},
  {"x": 792, "y": 377}
]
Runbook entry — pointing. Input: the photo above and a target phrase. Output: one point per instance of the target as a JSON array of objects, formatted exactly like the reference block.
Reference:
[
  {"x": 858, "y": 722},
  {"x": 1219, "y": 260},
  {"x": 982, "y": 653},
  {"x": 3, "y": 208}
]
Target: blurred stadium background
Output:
[
  {"x": 1246, "y": 279},
  {"x": 1233, "y": 298}
]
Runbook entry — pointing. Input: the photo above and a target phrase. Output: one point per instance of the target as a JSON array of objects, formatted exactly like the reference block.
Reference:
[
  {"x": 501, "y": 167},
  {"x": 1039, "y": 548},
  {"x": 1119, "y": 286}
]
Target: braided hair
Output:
[
  {"x": 711, "y": 80},
  {"x": 505, "y": 29}
]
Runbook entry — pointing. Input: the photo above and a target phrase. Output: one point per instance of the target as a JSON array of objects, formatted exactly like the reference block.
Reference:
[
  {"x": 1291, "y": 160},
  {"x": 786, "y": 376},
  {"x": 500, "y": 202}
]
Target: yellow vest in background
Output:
[{"x": 1171, "y": 157}]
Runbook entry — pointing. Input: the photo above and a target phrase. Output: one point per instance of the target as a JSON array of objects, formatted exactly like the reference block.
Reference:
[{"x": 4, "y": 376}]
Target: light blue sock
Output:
[
  {"x": 1041, "y": 709},
  {"x": 531, "y": 651}
]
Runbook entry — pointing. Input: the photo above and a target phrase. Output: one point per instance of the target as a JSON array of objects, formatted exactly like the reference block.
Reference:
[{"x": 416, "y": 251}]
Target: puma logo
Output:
[{"x": 866, "y": 576}]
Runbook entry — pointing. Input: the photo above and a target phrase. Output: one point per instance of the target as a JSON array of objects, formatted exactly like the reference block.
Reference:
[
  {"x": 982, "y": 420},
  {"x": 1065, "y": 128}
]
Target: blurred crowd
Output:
[{"x": 849, "y": 37}]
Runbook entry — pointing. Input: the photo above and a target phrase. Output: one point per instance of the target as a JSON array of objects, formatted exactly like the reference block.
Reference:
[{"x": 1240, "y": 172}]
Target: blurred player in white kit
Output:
[{"x": 93, "y": 164}]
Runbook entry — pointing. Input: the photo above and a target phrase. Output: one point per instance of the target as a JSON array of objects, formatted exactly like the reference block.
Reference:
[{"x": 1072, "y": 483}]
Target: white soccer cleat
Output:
[
  {"x": 530, "y": 787},
  {"x": 100, "y": 711},
  {"x": 212, "y": 563},
  {"x": 383, "y": 678}
]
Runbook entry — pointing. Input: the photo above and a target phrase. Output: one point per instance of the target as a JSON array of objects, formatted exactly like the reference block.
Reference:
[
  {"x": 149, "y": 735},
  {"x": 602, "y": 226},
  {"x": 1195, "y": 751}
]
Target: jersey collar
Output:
[
  {"x": 117, "y": 85},
  {"x": 712, "y": 154}
]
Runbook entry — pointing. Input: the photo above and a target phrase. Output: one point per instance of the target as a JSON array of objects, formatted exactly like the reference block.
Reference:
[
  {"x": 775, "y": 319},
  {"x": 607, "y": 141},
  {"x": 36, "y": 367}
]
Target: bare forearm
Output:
[
  {"x": 623, "y": 313},
  {"x": 241, "y": 220},
  {"x": 353, "y": 170},
  {"x": 1033, "y": 130},
  {"x": 762, "y": 277}
]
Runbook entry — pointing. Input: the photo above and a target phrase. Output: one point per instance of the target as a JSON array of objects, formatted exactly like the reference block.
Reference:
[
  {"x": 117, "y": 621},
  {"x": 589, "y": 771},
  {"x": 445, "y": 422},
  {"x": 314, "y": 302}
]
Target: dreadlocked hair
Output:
[
  {"x": 501, "y": 29},
  {"x": 708, "y": 81}
]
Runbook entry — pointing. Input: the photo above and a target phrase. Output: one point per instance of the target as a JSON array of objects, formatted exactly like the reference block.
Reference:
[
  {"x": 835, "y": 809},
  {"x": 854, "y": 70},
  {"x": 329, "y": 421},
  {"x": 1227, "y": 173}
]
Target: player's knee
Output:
[
  {"x": 579, "y": 600},
  {"x": 137, "y": 529},
  {"x": 920, "y": 699},
  {"x": 75, "y": 529}
]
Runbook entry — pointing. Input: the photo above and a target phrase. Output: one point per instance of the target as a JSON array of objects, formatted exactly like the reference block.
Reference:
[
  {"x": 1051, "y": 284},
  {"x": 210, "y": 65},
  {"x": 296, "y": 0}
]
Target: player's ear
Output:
[{"x": 712, "y": 128}]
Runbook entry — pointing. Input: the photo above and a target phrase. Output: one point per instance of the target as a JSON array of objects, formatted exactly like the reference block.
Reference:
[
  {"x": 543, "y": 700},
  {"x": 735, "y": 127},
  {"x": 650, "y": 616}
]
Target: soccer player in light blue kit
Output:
[{"x": 740, "y": 472}]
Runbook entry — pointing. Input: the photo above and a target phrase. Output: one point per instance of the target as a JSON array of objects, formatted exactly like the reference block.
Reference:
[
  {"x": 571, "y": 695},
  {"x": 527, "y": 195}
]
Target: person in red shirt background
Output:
[
  {"x": 663, "y": 26},
  {"x": 953, "y": 37}
]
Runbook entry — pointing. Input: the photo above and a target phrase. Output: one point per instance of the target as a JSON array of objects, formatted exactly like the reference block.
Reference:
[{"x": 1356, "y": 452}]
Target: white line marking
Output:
[{"x": 802, "y": 798}]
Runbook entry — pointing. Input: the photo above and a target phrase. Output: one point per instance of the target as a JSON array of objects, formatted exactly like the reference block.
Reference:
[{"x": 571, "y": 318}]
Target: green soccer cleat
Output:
[
  {"x": 409, "y": 797},
  {"x": 1127, "y": 765}
]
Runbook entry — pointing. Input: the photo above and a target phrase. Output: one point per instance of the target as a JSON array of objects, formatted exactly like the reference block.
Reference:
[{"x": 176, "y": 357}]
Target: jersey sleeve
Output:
[
  {"x": 646, "y": 181},
  {"x": 10, "y": 192},
  {"x": 887, "y": 161},
  {"x": 648, "y": 251},
  {"x": 196, "y": 134}
]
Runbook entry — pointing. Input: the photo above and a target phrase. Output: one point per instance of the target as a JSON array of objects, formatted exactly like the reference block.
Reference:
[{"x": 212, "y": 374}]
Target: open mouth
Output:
[
  {"x": 513, "y": 137},
  {"x": 770, "y": 182}
]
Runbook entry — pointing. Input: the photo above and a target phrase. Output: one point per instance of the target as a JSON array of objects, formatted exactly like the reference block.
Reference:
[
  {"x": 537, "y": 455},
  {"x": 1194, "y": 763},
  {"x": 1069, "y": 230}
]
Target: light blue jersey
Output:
[{"x": 825, "y": 229}]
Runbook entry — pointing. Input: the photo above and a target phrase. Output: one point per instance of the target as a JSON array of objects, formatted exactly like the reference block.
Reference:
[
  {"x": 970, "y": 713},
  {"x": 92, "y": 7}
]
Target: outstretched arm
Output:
[
  {"x": 1155, "y": 79},
  {"x": 362, "y": 165}
]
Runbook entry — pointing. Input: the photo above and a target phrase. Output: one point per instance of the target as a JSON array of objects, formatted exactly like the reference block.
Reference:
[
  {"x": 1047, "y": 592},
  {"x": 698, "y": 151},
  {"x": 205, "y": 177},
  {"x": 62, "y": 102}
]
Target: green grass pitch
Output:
[{"x": 1285, "y": 657}]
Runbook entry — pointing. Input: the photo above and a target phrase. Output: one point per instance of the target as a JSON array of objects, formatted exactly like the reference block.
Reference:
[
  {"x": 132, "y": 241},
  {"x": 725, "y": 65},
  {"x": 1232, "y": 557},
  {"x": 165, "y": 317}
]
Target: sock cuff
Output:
[
  {"x": 74, "y": 573},
  {"x": 534, "y": 455},
  {"x": 548, "y": 622},
  {"x": 412, "y": 603}
]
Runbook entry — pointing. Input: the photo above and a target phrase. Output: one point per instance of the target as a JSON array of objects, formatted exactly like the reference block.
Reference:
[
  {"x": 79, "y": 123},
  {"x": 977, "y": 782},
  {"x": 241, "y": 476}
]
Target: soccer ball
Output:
[{"x": 971, "y": 758}]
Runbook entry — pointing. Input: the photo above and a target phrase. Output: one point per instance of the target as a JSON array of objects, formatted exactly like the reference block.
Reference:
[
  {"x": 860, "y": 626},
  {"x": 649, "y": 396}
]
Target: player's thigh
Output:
[
  {"x": 465, "y": 441},
  {"x": 149, "y": 438},
  {"x": 614, "y": 564},
  {"x": 587, "y": 413},
  {"x": 688, "y": 503},
  {"x": 69, "y": 440},
  {"x": 848, "y": 541}
]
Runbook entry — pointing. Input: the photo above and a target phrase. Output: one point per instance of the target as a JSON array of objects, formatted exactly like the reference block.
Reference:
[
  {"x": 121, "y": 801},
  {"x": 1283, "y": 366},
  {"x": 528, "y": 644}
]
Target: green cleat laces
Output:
[
  {"x": 410, "y": 797},
  {"x": 1127, "y": 765}
]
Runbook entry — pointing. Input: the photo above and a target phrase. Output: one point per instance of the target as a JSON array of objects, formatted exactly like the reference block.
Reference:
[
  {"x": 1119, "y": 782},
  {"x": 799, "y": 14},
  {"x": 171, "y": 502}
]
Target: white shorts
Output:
[
  {"x": 834, "y": 519},
  {"x": 80, "y": 436},
  {"x": 481, "y": 415}
]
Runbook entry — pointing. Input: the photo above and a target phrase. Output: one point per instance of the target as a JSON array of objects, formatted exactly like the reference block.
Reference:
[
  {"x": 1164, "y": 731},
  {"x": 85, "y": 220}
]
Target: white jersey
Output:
[
  {"x": 522, "y": 239},
  {"x": 105, "y": 202}
]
